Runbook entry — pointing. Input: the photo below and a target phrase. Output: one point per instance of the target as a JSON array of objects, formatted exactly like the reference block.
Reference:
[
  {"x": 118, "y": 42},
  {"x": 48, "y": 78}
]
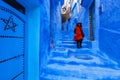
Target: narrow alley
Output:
[
  {"x": 69, "y": 63},
  {"x": 37, "y": 40}
]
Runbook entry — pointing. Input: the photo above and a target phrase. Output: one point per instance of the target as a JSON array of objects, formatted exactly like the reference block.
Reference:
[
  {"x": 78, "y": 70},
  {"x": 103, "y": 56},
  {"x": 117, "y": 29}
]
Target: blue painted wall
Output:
[
  {"x": 32, "y": 36},
  {"x": 50, "y": 27},
  {"x": 55, "y": 22},
  {"x": 110, "y": 28},
  {"x": 44, "y": 32},
  {"x": 107, "y": 35},
  {"x": 86, "y": 3},
  {"x": 85, "y": 17},
  {"x": 86, "y": 22},
  {"x": 32, "y": 44}
]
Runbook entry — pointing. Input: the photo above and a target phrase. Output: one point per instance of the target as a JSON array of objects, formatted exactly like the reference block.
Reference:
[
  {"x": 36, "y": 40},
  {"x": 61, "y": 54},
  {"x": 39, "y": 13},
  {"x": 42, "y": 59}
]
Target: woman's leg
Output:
[
  {"x": 81, "y": 43},
  {"x": 77, "y": 44}
]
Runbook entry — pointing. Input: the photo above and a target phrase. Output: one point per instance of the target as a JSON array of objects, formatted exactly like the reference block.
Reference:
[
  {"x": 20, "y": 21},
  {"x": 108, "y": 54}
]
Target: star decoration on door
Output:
[{"x": 9, "y": 23}]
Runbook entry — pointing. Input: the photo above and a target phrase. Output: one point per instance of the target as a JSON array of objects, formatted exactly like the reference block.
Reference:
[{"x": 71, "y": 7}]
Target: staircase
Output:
[{"x": 69, "y": 63}]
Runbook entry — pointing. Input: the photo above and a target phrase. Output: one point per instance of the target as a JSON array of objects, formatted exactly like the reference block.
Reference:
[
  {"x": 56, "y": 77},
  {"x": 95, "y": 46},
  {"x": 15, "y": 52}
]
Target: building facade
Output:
[
  {"x": 102, "y": 26},
  {"x": 28, "y": 27}
]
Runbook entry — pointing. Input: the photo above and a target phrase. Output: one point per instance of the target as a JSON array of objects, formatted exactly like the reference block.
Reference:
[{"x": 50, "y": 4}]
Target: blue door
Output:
[
  {"x": 92, "y": 20},
  {"x": 12, "y": 42}
]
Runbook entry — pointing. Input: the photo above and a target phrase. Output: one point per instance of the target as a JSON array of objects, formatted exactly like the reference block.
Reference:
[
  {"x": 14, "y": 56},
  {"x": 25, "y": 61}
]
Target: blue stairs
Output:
[{"x": 69, "y": 63}]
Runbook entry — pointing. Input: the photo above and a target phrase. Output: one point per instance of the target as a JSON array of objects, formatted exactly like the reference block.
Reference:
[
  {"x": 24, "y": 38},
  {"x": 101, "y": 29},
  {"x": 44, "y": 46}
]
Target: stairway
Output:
[{"x": 69, "y": 63}]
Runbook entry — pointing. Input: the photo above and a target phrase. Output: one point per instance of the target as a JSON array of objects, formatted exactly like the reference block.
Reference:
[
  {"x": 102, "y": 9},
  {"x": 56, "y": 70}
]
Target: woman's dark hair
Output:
[{"x": 79, "y": 24}]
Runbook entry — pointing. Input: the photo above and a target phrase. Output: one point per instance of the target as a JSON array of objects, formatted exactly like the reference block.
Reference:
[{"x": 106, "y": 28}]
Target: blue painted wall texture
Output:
[
  {"x": 110, "y": 28},
  {"x": 32, "y": 43},
  {"x": 85, "y": 17},
  {"x": 50, "y": 26},
  {"x": 44, "y": 32},
  {"x": 55, "y": 22},
  {"x": 106, "y": 26},
  {"x": 85, "y": 23}
]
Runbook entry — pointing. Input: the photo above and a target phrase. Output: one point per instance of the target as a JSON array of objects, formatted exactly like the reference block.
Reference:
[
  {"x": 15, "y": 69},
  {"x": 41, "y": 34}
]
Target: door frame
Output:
[{"x": 91, "y": 21}]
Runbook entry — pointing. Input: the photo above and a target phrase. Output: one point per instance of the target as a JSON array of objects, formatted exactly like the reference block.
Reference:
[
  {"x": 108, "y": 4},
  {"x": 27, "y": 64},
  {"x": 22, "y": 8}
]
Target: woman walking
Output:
[{"x": 79, "y": 35}]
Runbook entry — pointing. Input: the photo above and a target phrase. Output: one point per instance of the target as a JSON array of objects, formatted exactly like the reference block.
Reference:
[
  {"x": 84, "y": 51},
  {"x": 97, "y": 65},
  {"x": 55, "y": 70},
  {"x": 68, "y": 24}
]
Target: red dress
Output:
[{"x": 78, "y": 33}]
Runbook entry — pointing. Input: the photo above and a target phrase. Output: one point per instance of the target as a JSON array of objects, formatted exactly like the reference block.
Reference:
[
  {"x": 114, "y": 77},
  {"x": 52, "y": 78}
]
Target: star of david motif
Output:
[{"x": 9, "y": 24}]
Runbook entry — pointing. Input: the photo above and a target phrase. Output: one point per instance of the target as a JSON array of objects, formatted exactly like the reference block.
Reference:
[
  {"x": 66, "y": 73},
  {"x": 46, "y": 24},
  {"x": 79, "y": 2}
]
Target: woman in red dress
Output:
[{"x": 79, "y": 35}]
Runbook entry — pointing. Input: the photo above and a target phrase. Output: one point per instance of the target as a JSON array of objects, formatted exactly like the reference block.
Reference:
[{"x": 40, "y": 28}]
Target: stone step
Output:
[
  {"x": 61, "y": 52},
  {"x": 72, "y": 41},
  {"x": 65, "y": 45},
  {"x": 66, "y": 52},
  {"x": 82, "y": 56},
  {"x": 86, "y": 43},
  {"x": 72, "y": 44},
  {"x": 58, "y": 77},
  {"x": 79, "y": 51},
  {"x": 69, "y": 42},
  {"x": 83, "y": 59},
  {"x": 84, "y": 72}
]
